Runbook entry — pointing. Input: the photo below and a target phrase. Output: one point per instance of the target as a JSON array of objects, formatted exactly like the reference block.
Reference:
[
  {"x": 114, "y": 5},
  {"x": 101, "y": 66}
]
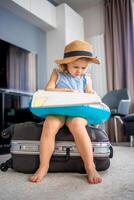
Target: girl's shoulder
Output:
[{"x": 57, "y": 70}]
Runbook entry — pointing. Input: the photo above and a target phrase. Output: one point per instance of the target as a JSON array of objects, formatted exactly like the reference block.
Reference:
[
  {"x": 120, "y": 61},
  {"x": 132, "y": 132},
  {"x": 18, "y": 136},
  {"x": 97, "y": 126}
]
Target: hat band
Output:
[{"x": 77, "y": 53}]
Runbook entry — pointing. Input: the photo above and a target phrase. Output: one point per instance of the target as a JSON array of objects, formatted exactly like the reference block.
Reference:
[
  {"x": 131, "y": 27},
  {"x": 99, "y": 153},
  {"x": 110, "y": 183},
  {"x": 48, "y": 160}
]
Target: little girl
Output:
[{"x": 70, "y": 77}]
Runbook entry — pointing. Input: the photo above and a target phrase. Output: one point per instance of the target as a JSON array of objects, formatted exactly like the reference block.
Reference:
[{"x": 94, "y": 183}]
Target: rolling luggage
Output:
[
  {"x": 25, "y": 149},
  {"x": 13, "y": 116}
]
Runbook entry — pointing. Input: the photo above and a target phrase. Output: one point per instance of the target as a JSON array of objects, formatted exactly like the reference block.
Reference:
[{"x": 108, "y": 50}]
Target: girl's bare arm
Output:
[
  {"x": 51, "y": 85},
  {"x": 89, "y": 88}
]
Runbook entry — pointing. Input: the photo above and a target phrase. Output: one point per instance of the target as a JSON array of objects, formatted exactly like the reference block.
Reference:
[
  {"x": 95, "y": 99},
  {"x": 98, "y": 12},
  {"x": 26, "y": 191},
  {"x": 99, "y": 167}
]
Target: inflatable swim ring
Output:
[{"x": 94, "y": 113}]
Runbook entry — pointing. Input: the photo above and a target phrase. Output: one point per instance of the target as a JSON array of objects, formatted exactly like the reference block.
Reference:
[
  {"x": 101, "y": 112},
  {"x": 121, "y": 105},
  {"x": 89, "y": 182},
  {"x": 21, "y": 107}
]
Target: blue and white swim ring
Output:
[{"x": 94, "y": 113}]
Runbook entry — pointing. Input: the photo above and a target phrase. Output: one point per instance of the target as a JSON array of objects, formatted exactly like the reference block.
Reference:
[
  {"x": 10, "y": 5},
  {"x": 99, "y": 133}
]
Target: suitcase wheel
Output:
[
  {"x": 5, "y": 134},
  {"x": 4, "y": 167}
]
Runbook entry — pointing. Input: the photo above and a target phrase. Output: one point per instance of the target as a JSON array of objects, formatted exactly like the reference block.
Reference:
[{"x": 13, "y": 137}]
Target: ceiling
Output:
[{"x": 77, "y": 5}]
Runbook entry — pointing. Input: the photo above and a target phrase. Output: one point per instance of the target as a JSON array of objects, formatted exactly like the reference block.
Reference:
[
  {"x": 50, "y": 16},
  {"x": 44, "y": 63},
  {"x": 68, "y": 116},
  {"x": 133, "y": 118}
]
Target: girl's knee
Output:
[
  {"x": 53, "y": 123},
  {"x": 76, "y": 123}
]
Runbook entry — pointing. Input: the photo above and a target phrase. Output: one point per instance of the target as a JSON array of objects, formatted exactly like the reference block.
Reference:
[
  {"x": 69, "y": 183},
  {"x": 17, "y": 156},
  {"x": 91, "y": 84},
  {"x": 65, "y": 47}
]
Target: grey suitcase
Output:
[{"x": 25, "y": 149}]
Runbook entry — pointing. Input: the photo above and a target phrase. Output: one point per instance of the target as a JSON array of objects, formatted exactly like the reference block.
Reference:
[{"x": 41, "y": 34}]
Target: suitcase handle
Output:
[{"x": 62, "y": 158}]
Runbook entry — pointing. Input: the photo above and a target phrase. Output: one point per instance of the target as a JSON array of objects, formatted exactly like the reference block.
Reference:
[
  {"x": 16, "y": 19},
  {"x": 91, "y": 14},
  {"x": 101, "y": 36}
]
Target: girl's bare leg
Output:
[
  {"x": 77, "y": 126},
  {"x": 47, "y": 144}
]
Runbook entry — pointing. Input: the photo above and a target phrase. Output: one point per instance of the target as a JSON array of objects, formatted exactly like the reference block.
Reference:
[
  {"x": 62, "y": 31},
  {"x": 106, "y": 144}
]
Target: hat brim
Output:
[{"x": 71, "y": 59}]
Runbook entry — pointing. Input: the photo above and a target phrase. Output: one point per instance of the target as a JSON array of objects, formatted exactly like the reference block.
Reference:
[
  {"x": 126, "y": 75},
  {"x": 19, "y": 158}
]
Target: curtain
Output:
[
  {"x": 21, "y": 73},
  {"x": 119, "y": 46}
]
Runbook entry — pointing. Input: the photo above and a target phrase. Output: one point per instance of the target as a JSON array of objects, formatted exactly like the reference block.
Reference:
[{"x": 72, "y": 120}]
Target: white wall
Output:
[
  {"x": 94, "y": 31},
  {"x": 69, "y": 27},
  {"x": 74, "y": 25},
  {"x": 98, "y": 72},
  {"x": 40, "y": 13},
  {"x": 60, "y": 24},
  {"x": 93, "y": 20},
  {"x": 23, "y": 34},
  {"x": 55, "y": 40},
  {"x": 133, "y": 6}
]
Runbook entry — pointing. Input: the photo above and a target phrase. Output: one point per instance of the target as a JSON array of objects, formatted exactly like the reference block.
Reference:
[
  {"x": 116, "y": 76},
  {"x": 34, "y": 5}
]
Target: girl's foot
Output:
[
  {"x": 38, "y": 176},
  {"x": 93, "y": 176}
]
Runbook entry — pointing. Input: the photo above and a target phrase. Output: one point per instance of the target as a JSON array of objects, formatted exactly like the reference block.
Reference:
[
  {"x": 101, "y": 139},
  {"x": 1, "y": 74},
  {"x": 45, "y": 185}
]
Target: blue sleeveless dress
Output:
[{"x": 68, "y": 81}]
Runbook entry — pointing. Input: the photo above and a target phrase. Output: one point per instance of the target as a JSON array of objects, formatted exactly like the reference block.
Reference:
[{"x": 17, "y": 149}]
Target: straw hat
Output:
[{"x": 78, "y": 49}]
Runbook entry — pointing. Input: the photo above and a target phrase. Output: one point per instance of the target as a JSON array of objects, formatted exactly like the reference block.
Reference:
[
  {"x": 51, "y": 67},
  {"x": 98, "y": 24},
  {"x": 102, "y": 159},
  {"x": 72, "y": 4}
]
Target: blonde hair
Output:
[{"x": 63, "y": 68}]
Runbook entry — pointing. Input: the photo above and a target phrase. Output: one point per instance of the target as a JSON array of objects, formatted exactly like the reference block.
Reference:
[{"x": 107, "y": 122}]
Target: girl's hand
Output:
[
  {"x": 68, "y": 90},
  {"x": 95, "y": 93}
]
